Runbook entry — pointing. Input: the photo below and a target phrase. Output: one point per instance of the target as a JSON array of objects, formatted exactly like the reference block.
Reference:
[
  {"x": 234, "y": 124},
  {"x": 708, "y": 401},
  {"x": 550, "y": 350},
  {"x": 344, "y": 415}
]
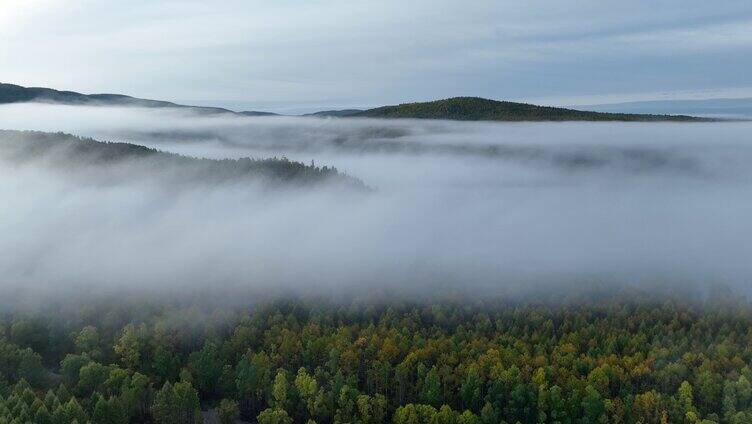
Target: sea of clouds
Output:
[{"x": 474, "y": 207}]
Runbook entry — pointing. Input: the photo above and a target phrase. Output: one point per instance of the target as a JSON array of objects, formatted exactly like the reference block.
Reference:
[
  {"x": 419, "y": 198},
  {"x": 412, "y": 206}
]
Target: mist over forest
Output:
[
  {"x": 167, "y": 266},
  {"x": 348, "y": 212}
]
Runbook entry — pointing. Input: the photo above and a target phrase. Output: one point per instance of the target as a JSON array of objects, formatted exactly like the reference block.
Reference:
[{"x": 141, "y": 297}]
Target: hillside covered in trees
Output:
[
  {"x": 479, "y": 109},
  {"x": 629, "y": 357},
  {"x": 70, "y": 153}
]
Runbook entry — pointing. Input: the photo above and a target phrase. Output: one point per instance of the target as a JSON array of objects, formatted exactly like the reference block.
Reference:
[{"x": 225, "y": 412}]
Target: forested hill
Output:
[
  {"x": 479, "y": 109},
  {"x": 10, "y": 93},
  {"x": 119, "y": 161}
]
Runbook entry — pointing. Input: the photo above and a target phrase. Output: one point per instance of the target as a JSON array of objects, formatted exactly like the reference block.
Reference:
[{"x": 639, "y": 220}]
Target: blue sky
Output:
[{"x": 298, "y": 55}]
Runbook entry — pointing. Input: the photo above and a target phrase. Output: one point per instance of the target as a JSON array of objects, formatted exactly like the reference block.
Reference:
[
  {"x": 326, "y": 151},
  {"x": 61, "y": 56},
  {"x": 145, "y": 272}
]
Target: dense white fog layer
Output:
[{"x": 476, "y": 206}]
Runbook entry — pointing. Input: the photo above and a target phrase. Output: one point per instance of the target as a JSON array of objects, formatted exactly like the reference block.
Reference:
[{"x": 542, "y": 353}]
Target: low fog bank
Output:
[{"x": 477, "y": 208}]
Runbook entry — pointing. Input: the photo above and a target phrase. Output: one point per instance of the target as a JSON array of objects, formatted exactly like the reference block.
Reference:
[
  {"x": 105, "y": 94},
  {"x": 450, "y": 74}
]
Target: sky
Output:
[{"x": 293, "y": 56}]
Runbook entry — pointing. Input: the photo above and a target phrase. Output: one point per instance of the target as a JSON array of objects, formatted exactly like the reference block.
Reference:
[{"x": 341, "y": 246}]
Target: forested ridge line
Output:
[
  {"x": 70, "y": 152},
  {"x": 480, "y": 109},
  {"x": 463, "y": 108}
]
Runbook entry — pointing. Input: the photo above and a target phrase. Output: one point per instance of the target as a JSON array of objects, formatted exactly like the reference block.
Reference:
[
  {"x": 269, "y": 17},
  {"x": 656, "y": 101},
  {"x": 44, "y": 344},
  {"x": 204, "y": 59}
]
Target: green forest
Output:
[{"x": 626, "y": 357}]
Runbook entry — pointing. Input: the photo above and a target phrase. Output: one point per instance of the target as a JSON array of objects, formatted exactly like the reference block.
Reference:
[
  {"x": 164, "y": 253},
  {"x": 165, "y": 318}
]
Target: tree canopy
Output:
[{"x": 627, "y": 359}]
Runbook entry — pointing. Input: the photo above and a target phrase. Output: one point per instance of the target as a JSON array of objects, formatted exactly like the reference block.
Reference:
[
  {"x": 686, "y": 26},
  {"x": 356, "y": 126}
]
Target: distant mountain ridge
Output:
[
  {"x": 740, "y": 107},
  {"x": 11, "y": 93},
  {"x": 341, "y": 113},
  {"x": 455, "y": 108}
]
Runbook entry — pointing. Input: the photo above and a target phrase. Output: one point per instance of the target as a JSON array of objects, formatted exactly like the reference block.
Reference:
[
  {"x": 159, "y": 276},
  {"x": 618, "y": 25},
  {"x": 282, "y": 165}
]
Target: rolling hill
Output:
[{"x": 479, "y": 109}]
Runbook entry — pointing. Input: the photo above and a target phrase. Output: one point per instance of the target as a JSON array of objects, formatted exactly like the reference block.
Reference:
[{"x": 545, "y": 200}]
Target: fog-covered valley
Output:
[
  {"x": 349, "y": 212},
  {"x": 475, "y": 207}
]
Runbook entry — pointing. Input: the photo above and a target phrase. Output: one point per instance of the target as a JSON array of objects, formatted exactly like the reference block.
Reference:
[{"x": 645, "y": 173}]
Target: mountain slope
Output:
[
  {"x": 11, "y": 93},
  {"x": 479, "y": 109},
  {"x": 125, "y": 161}
]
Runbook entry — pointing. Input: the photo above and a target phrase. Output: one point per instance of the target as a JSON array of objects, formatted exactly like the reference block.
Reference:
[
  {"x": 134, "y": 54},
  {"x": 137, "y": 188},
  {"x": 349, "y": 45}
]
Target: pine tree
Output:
[
  {"x": 74, "y": 411},
  {"x": 63, "y": 395},
  {"x": 279, "y": 391},
  {"x": 109, "y": 411},
  {"x": 274, "y": 416},
  {"x": 228, "y": 411},
  {"x": 431, "y": 390},
  {"x": 42, "y": 416},
  {"x": 51, "y": 401},
  {"x": 59, "y": 416},
  {"x": 176, "y": 403}
]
